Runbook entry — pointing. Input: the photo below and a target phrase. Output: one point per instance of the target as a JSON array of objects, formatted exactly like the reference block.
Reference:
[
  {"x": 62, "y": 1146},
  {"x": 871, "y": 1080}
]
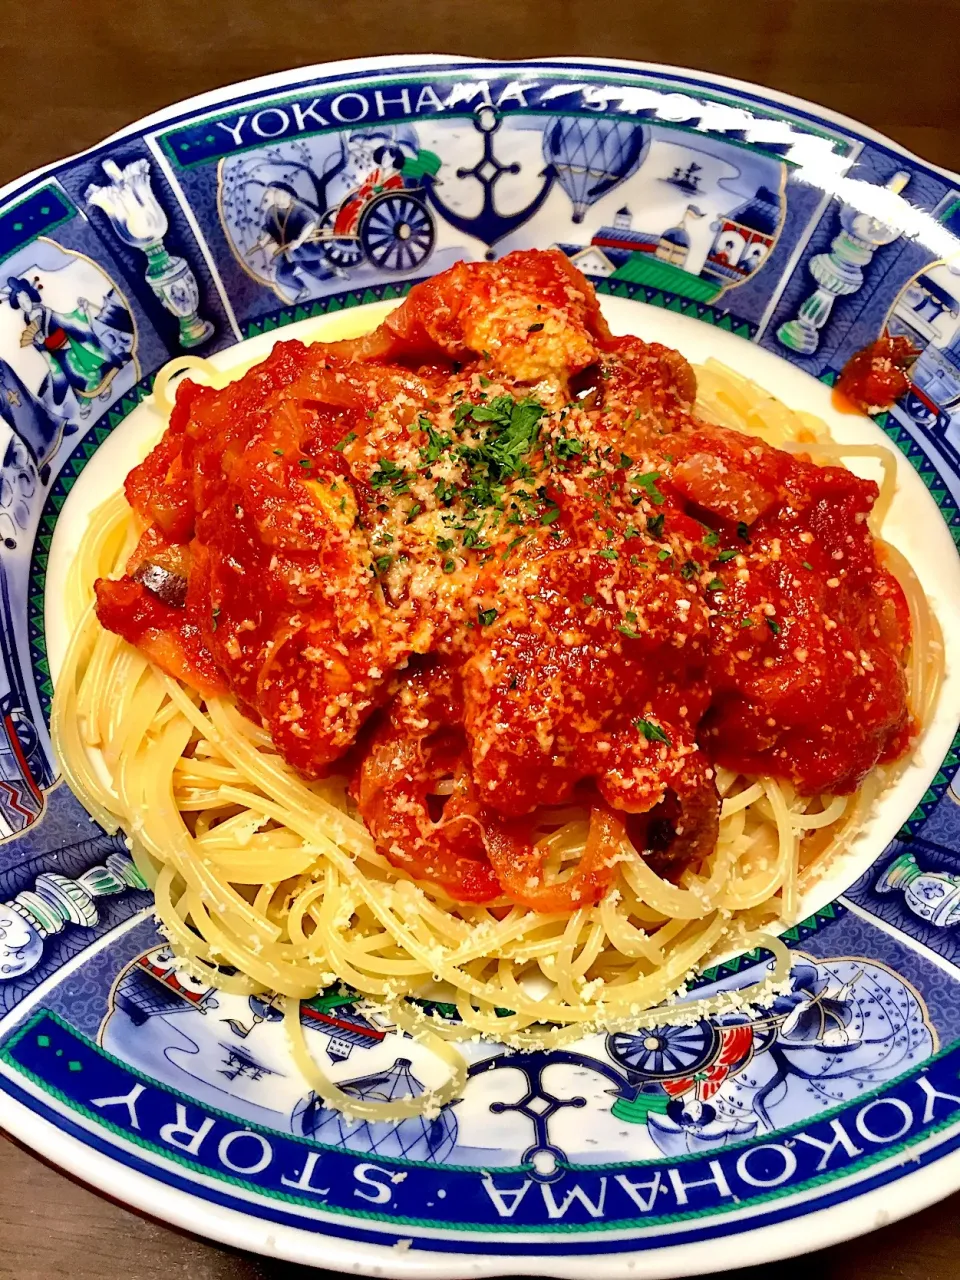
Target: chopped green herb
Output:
[
  {"x": 449, "y": 566},
  {"x": 588, "y": 600},
  {"x": 567, "y": 448},
  {"x": 655, "y": 526},
  {"x": 743, "y": 532},
  {"x": 413, "y": 513},
  {"x": 305, "y": 462},
  {"x": 484, "y": 380},
  {"x": 510, "y": 545},
  {"x": 711, "y": 538},
  {"x": 626, "y": 461},
  {"x": 630, "y": 616},
  {"x": 513, "y": 431},
  {"x": 715, "y": 584},
  {"x": 663, "y": 554},
  {"x": 213, "y": 618},
  {"x": 647, "y": 482},
  {"x": 689, "y": 569},
  {"x": 628, "y": 631},
  {"x": 774, "y": 626},
  {"x": 383, "y": 563},
  {"x": 486, "y": 616},
  {"x": 631, "y": 532},
  {"x": 436, "y": 443},
  {"x": 278, "y": 452},
  {"x": 548, "y": 517},
  {"x": 347, "y": 439},
  {"x": 388, "y": 473},
  {"x": 635, "y": 560},
  {"x": 747, "y": 622},
  {"x": 652, "y": 732},
  {"x": 807, "y": 565},
  {"x": 444, "y": 544},
  {"x": 608, "y": 553},
  {"x": 731, "y": 553}
]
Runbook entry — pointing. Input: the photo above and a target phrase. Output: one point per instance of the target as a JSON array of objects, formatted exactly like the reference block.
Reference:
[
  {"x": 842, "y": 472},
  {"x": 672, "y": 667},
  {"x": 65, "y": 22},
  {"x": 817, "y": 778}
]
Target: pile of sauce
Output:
[{"x": 487, "y": 559}]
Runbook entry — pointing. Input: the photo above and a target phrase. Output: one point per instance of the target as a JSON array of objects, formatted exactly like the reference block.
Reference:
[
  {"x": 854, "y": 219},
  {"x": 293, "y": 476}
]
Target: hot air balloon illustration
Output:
[
  {"x": 591, "y": 157},
  {"x": 423, "y": 1137}
]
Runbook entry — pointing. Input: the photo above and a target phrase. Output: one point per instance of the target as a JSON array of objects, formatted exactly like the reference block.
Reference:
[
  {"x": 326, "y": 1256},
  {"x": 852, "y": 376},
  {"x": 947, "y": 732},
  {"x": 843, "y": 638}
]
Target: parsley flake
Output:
[
  {"x": 774, "y": 626},
  {"x": 628, "y": 631},
  {"x": 715, "y": 584},
  {"x": 548, "y": 517},
  {"x": 663, "y": 554},
  {"x": 731, "y": 553},
  {"x": 807, "y": 565},
  {"x": 567, "y": 448},
  {"x": 652, "y": 732},
  {"x": 648, "y": 483},
  {"x": 742, "y": 532},
  {"x": 388, "y": 473},
  {"x": 342, "y": 443},
  {"x": 655, "y": 526},
  {"x": 436, "y": 443},
  {"x": 608, "y": 553},
  {"x": 486, "y": 616}
]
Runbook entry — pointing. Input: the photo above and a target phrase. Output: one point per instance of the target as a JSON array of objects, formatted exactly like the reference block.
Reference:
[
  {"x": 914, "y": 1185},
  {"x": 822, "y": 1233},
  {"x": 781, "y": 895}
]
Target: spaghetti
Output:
[{"x": 268, "y": 880}]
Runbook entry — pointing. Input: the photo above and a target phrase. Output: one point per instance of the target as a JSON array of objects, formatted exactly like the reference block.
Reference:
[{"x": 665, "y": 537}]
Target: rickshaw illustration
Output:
[
  {"x": 296, "y": 218},
  {"x": 385, "y": 222}
]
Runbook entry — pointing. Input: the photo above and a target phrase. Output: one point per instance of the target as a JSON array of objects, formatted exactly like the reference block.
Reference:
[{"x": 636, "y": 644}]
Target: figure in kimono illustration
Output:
[{"x": 84, "y": 348}]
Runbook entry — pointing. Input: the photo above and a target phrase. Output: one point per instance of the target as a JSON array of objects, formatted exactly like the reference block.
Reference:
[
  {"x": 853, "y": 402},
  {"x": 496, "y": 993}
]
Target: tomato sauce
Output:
[
  {"x": 875, "y": 378},
  {"x": 489, "y": 559}
]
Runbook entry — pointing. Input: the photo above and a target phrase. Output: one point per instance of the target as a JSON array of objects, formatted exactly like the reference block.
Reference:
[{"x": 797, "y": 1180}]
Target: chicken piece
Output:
[
  {"x": 531, "y": 315},
  {"x": 282, "y": 603}
]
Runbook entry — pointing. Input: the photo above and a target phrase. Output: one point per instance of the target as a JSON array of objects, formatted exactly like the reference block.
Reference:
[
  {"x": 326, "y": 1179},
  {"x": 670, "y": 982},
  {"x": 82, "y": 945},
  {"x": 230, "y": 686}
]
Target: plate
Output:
[{"x": 717, "y": 217}]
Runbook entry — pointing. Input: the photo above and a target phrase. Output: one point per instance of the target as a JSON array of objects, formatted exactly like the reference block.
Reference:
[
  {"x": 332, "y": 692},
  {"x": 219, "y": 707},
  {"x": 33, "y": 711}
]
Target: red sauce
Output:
[
  {"x": 876, "y": 377},
  {"x": 489, "y": 560}
]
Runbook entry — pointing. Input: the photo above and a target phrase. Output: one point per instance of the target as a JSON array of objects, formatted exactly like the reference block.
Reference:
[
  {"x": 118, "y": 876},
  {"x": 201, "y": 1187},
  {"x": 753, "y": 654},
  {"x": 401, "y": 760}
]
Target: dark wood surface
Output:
[{"x": 74, "y": 71}]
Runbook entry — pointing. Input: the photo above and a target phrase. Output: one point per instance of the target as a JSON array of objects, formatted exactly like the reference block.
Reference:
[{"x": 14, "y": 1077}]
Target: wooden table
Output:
[{"x": 73, "y": 73}]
